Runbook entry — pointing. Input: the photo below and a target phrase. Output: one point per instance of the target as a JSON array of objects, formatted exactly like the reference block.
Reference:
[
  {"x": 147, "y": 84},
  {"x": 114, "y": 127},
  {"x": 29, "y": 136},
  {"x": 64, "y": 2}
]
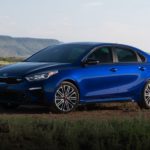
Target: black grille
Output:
[{"x": 11, "y": 80}]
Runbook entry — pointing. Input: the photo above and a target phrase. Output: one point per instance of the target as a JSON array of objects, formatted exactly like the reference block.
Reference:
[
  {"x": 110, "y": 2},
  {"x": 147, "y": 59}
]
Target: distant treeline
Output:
[{"x": 11, "y": 59}]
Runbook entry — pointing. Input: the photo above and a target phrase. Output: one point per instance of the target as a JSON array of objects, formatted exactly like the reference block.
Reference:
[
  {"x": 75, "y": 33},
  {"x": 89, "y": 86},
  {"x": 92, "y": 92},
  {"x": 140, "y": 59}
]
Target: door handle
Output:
[
  {"x": 113, "y": 69},
  {"x": 142, "y": 68}
]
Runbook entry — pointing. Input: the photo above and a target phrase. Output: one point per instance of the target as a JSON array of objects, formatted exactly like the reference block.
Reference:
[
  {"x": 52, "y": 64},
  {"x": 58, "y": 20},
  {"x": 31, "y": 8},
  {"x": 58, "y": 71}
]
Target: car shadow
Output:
[
  {"x": 128, "y": 106},
  {"x": 88, "y": 108},
  {"x": 25, "y": 110}
]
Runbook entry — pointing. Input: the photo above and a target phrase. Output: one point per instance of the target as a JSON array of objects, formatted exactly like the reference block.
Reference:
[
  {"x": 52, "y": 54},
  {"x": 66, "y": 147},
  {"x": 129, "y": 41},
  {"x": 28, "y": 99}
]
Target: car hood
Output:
[{"x": 24, "y": 68}]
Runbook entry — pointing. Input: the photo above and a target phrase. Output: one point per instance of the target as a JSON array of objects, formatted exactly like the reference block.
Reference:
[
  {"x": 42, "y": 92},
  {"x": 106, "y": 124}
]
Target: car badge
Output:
[{"x": 5, "y": 74}]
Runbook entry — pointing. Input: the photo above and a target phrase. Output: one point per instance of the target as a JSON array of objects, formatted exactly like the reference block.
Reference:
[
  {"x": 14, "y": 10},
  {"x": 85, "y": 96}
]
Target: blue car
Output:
[{"x": 66, "y": 75}]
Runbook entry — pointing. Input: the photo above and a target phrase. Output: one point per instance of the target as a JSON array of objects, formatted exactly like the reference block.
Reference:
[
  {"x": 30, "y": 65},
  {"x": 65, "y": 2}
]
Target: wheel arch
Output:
[{"x": 73, "y": 82}]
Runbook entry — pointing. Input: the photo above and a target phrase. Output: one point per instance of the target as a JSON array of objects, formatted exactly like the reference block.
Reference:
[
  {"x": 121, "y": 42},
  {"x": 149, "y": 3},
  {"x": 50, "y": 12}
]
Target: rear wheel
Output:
[
  {"x": 146, "y": 97},
  {"x": 66, "y": 98}
]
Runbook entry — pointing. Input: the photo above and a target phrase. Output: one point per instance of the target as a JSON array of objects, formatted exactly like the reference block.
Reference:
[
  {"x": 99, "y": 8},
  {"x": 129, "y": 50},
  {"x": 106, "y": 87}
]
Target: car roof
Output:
[{"x": 96, "y": 44}]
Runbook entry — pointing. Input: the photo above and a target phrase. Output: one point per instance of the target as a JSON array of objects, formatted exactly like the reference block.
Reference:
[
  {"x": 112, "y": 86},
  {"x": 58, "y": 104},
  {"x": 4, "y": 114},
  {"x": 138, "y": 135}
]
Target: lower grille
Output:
[
  {"x": 11, "y": 97},
  {"x": 11, "y": 80}
]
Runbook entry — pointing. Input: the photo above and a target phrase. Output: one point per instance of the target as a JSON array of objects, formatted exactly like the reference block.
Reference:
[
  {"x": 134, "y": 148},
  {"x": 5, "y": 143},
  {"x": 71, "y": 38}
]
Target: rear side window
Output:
[
  {"x": 104, "y": 55},
  {"x": 126, "y": 55},
  {"x": 142, "y": 57}
]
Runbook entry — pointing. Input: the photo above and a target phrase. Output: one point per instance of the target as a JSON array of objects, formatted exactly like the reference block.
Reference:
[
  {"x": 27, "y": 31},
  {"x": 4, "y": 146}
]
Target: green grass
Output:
[
  {"x": 9, "y": 60},
  {"x": 28, "y": 133}
]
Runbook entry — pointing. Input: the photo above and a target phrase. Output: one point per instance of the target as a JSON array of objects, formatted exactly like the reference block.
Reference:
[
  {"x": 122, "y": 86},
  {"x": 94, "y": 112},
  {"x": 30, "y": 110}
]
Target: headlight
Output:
[{"x": 40, "y": 76}]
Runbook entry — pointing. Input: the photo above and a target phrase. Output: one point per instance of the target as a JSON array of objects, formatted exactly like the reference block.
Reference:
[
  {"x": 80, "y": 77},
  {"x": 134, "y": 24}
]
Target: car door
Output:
[
  {"x": 99, "y": 81},
  {"x": 116, "y": 77},
  {"x": 130, "y": 73}
]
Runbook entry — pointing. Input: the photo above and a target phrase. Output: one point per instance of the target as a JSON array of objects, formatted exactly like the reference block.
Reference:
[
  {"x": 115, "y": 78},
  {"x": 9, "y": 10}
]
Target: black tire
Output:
[
  {"x": 66, "y": 98},
  {"x": 145, "y": 101}
]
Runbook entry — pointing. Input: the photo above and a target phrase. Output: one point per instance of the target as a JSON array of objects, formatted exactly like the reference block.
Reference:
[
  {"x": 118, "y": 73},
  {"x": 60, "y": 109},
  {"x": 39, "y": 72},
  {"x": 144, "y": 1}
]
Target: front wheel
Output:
[{"x": 66, "y": 98}]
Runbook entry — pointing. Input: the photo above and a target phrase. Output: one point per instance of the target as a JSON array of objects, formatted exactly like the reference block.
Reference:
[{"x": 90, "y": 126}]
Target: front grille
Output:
[{"x": 11, "y": 80}]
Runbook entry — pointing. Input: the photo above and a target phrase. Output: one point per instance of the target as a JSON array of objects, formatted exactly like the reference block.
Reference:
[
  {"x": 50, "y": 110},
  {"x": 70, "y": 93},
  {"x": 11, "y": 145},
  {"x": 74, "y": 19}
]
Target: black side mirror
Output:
[{"x": 90, "y": 61}]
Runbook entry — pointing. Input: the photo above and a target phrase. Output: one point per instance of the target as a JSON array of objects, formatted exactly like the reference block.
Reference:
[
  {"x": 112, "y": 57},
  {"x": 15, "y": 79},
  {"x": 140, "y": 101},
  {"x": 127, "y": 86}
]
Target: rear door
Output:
[{"x": 130, "y": 72}]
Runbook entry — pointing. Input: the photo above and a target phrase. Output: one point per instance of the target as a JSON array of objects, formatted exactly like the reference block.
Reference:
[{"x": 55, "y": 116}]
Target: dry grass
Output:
[{"x": 28, "y": 128}]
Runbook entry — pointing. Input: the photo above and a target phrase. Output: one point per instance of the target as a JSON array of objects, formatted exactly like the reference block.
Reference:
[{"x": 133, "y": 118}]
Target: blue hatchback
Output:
[{"x": 67, "y": 75}]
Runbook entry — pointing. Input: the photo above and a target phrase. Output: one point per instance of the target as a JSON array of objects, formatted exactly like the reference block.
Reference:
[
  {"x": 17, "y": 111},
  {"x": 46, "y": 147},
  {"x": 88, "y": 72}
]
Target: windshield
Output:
[{"x": 63, "y": 54}]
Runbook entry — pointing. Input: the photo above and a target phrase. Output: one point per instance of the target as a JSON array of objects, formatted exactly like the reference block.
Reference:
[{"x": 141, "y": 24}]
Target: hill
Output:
[{"x": 23, "y": 47}]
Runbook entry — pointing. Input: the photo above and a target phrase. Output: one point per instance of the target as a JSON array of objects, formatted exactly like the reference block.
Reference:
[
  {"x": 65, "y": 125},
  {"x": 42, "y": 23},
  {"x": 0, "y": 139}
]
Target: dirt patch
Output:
[{"x": 102, "y": 111}]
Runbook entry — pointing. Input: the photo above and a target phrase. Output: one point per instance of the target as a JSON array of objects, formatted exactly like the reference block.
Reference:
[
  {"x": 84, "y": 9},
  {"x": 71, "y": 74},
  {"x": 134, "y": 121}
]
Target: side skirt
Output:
[{"x": 126, "y": 99}]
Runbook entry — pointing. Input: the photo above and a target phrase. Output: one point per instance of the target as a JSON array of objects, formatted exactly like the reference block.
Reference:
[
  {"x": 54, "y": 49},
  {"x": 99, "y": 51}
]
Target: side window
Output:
[
  {"x": 104, "y": 55},
  {"x": 126, "y": 55},
  {"x": 142, "y": 57}
]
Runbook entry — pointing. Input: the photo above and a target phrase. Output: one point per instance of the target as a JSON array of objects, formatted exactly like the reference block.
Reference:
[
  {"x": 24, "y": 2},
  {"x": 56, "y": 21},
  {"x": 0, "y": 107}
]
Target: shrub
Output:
[{"x": 31, "y": 133}]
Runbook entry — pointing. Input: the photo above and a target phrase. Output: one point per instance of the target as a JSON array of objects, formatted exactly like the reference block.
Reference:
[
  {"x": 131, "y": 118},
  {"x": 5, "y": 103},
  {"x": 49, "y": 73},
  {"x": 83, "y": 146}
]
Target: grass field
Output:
[
  {"x": 53, "y": 132},
  {"x": 108, "y": 126},
  {"x": 9, "y": 60}
]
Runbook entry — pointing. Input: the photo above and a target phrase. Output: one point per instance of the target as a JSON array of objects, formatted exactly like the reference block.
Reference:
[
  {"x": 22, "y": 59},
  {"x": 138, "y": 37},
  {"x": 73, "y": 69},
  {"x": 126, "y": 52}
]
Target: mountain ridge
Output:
[{"x": 23, "y": 46}]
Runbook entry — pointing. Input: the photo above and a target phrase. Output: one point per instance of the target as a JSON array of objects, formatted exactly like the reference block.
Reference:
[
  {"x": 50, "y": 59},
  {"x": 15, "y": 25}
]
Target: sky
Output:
[{"x": 117, "y": 21}]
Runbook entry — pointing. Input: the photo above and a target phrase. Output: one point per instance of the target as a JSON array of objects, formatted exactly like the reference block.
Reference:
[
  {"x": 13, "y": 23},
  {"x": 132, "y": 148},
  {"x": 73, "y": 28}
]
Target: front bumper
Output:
[{"x": 25, "y": 93}]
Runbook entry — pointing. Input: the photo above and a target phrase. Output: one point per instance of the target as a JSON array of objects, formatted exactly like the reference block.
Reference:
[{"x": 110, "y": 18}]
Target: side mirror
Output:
[{"x": 90, "y": 61}]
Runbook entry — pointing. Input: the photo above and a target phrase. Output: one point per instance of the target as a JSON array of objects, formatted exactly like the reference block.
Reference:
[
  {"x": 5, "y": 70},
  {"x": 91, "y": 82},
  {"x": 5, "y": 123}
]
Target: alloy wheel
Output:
[
  {"x": 147, "y": 94},
  {"x": 66, "y": 97}
]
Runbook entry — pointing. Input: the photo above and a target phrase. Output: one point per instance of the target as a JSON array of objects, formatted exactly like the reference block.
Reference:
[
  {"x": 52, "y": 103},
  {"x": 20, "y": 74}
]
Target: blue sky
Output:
[{"x": 119, "y": 21}]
